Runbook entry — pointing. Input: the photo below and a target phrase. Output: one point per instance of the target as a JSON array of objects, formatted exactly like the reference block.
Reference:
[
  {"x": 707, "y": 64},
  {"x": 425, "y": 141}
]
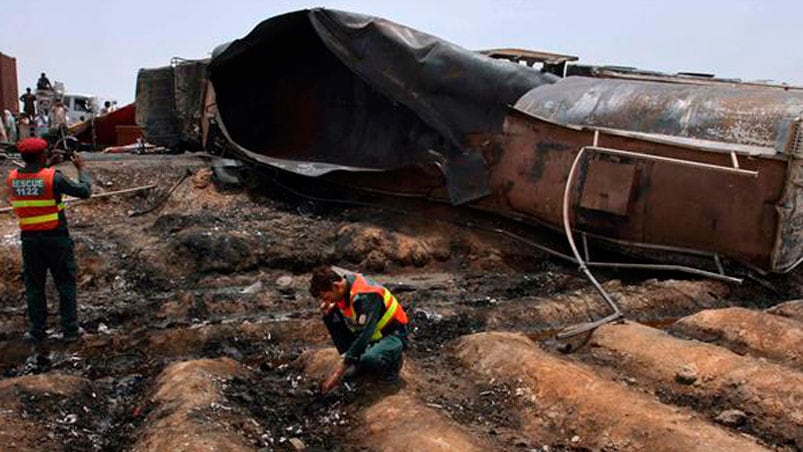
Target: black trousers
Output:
[{"x": 40, "y": 254}]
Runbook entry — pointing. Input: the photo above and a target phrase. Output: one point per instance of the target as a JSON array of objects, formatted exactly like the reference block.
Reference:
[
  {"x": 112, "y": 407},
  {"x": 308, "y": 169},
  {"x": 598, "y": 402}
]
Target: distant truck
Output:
[{"x": 80, "y": 107}]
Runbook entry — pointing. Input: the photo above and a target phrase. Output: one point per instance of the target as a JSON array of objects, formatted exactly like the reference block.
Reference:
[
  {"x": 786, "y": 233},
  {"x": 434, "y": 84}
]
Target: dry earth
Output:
[{"x": 200, "y": 334}]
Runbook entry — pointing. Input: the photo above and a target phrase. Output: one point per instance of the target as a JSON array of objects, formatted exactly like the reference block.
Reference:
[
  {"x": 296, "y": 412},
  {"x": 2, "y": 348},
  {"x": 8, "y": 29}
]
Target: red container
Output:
[{"x": 9, "y": 96}]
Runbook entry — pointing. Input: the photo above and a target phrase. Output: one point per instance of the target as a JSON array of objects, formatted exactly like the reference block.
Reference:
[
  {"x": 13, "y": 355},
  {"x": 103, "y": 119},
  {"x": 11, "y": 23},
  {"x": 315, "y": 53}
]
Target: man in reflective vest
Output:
[
  {"x": 366, "y": 323},
  {"x": 35, "y": 193}
]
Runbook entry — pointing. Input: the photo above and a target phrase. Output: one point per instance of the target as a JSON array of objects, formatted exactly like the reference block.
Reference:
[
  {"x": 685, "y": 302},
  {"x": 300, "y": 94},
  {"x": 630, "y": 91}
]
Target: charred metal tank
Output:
[
  {"x": 169, "y": 104},
  {"x": 729, "y": 113},
  {"x": 706, "y": 170}
]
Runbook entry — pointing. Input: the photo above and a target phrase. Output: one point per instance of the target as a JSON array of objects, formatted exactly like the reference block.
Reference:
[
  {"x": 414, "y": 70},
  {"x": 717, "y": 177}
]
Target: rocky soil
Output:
[{"x": 200, "y": 334}]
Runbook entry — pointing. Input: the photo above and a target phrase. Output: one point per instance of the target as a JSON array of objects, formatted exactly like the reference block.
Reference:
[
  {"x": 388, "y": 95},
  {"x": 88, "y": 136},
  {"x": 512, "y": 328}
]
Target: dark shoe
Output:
[
  {"x": 71, "y": 337},
  {"x": 352, "y": 371},
  {"x": 392, "y": 374},
  {"x": 39, "y": 345},
  {"x": 33, "y": 338},
  {"x": 36, "y": 363}
]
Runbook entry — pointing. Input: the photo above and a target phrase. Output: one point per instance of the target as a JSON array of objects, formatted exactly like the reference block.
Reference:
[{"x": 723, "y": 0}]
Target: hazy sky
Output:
[{"x": 97, "y": 46}]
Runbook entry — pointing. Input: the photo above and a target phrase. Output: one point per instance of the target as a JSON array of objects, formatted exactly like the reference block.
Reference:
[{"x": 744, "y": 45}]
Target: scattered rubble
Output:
[
  {"x": 732, "y": 418},
  {"x": 200, "y": 332}
]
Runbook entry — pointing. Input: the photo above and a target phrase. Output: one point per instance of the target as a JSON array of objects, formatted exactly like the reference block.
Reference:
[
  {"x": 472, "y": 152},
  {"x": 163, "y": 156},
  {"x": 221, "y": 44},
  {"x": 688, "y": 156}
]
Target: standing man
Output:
[
  {"x": 58, "y": 113},
  {"x": 366, "y": 323},
  {"x": 28, "y": 104},
  {"x": 10, "y": 125},
  {"x": 35, "y": 192},
  {"x": 41, "y": 124}
]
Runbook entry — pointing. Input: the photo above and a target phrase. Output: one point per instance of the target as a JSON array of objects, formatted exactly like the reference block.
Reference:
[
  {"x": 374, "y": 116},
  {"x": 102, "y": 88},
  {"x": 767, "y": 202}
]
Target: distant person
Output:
[
  {"x": 58, "y": 115},
  {"x": 43, "y": 82},
  {"x": 107, "y": 108},
  {"x": 25, "y": 128},
  {"x": 41, "y": 124},
  {"x": 3, "y": 134},
  {"x": 36, "y": 192},
  {"x": 10, "y": 126},
  {"x": 28, "y": 103}
]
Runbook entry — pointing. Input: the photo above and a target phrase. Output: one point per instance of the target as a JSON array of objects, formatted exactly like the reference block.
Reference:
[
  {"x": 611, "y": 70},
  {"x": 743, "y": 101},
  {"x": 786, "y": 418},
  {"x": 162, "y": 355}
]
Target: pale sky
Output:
[{"x": 97, "y": 46}]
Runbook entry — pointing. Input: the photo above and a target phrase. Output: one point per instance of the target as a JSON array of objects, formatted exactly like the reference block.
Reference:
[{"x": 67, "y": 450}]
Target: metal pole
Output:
[
  {"x": 567, "y": 194},
  {"x": 689, "y": 163},
  {"x": 100, "y": 195}
]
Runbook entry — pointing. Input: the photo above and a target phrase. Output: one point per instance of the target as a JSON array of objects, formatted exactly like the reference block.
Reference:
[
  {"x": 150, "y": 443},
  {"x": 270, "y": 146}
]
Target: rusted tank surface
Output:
[
  {"x": 739, "y": 114},
  {"x": 9, "y": 97},
  {"x": 633, "y": 202},
  {"x": 648, "y": 202}
]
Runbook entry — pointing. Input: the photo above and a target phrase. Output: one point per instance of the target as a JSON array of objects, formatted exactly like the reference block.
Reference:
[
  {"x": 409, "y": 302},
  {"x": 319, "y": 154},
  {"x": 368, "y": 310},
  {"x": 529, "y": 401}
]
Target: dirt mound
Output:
[
  {"x": 46, "y": 411},
  {"x": 791, "y": 309},
  {"x": 592, "y": 411},
  {"x": 188, "y": 411},
  {"x": 747, "y": 332},
  {"x": 373, "y": 248},
  {"x": 10, "y": 273},
  {"x": 652, "y": 300},
  {"x": 709, "y": 377}
]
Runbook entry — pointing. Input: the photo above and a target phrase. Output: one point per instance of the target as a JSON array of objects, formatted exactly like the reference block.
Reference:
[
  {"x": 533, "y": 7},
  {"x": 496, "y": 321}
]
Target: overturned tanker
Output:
[{"x": 708, "y": 170}]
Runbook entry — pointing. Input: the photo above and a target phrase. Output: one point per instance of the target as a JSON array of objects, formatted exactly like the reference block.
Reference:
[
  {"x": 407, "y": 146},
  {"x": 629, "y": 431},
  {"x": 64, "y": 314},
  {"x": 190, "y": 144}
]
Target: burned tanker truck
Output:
[{"x": 665, "y": 167}]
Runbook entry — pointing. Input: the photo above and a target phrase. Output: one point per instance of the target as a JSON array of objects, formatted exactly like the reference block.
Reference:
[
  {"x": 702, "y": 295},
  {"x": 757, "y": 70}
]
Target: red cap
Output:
[{"x": 31, "y": 145}]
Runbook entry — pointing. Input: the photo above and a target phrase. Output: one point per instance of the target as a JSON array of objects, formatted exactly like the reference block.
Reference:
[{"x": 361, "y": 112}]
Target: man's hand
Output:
[
  {"x": 55, "y": 159},
  {"x": 77, "y": 161},
  {"x": 326, "y": 308},
  {"x": 334, "y": 378}
]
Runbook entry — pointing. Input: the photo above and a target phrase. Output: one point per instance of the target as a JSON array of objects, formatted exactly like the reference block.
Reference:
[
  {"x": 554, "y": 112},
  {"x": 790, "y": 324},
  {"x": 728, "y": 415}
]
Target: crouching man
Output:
[{"x": 366, "y": 323}]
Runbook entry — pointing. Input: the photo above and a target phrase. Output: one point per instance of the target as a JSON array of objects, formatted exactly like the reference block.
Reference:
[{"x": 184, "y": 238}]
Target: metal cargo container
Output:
[{"x": 9, "y": 96}]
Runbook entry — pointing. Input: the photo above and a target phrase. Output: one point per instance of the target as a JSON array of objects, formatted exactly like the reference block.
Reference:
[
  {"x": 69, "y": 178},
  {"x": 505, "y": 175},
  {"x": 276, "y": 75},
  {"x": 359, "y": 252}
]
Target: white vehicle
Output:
[{"x": 82, "y": 107}]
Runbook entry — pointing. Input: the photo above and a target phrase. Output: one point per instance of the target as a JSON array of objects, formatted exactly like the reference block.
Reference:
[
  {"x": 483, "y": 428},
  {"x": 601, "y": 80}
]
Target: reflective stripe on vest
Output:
[
  {"x": 392, "y": 307},
  {"x": 37, "y": 203},
  {"x": 33, "y": 199}
]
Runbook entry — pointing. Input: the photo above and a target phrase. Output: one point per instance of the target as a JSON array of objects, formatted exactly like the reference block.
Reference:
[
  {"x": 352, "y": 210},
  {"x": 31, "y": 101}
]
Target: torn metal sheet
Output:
[{"x": 323, "y": 86}]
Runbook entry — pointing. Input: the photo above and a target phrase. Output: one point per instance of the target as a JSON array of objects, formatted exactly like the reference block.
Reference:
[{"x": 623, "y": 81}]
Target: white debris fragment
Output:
[{"x": 253, "y": 288}]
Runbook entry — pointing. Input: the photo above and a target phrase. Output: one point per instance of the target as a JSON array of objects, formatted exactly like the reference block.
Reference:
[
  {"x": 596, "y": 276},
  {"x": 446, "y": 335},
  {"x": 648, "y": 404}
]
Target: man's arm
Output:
[
  {"x": 371, "y": 307},
  {"x": 80, "y": 189}
]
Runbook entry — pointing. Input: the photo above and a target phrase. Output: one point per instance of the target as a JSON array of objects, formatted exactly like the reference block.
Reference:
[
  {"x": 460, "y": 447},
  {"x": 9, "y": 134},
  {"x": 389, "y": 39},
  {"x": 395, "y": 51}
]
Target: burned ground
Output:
[{"x": 199, "y": 330}]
